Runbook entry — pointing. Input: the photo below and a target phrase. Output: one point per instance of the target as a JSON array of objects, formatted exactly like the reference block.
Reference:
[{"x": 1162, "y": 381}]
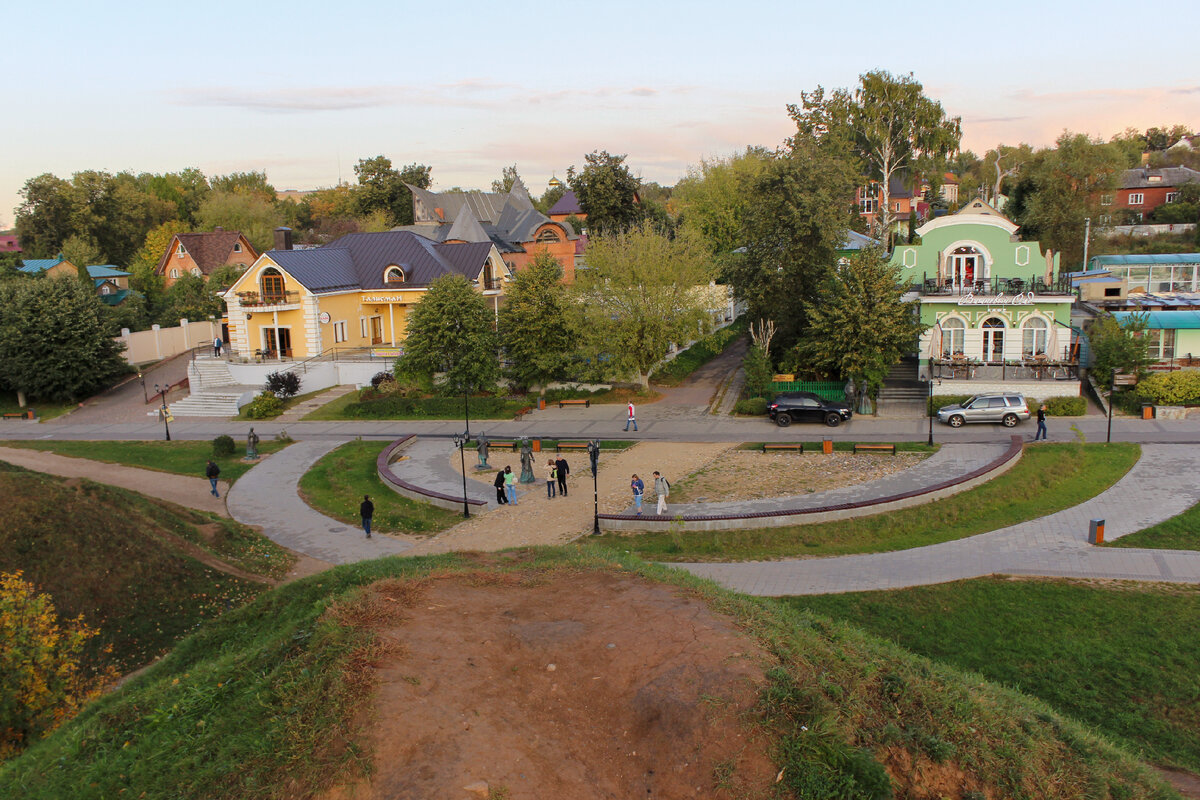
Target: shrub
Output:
[
  {"x": 283, "y": 384},
  {"x": 1171, "y": 388},
  {"x": 265, "y": 406},
  {"x": 382, "y": 377},
  {"x": 751, "y": 406},
  {"x": 396, "y": 407},
  {"x": 223, "y": 446},
  {"x": 1062, "y": 406}
]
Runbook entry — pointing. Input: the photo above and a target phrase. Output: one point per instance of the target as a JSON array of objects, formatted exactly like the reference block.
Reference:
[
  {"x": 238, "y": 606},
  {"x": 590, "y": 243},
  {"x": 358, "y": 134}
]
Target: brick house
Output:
[
  {"x": 1143, "y": 189},
  {"x": 202, "y": 253}
]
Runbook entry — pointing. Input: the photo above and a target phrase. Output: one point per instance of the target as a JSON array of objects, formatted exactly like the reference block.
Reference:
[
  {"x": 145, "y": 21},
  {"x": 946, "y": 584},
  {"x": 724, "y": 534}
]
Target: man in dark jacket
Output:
[
  {"x": 499, "y": 484},
  {"x": 564, "y": 469},
  {"x": 212, "y": 472},
  {"x": 366, "y": 510}
]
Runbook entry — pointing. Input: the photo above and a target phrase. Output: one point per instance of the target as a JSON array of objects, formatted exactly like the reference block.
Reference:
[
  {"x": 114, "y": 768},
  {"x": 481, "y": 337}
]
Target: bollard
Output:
[
  {"x": 827, "y": 446},
  {"x": 1096, "y": 532}
]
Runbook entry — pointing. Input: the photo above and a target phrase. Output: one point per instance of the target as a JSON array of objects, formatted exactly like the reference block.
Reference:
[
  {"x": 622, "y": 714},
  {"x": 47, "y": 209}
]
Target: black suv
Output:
[{"x": 792, "y": 407}]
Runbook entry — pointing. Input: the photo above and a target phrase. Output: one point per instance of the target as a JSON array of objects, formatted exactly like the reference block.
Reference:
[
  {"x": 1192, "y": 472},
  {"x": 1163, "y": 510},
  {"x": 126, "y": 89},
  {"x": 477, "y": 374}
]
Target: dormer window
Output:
[
  {"x": 393, "y": 275},
  {"x": 549, "y": 236},
  {"x": 1154, "y": 178}
]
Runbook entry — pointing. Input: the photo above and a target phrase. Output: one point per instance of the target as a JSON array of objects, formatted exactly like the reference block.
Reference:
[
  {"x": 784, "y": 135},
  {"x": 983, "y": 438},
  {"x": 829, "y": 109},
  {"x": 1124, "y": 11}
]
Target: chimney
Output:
[{"x": 283, "y": 238}]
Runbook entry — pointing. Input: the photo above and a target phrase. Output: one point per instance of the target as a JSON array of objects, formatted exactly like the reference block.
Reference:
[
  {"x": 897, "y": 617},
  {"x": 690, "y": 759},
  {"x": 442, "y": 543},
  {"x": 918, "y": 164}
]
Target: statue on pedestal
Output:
[
  {"x": 252, "y": 444},
  {"x": 526, "y": 460},
  {"x": 484, "y": 444}
]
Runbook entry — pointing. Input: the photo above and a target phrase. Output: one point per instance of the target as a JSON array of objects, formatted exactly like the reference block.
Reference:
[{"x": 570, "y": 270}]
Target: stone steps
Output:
[{"x": 211, "y": 403}]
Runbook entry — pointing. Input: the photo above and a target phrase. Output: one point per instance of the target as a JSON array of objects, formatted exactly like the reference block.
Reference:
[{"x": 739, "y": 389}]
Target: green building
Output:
[{"x": 998, "y": 311}]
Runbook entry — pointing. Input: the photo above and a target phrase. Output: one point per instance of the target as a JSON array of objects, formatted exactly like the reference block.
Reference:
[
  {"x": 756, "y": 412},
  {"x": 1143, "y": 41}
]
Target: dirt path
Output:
[{"x": 538, "y": 520}]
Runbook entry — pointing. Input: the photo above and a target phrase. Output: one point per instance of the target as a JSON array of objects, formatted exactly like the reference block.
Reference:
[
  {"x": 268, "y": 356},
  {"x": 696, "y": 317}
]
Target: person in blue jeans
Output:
[
  {"x": 366, "y": 510},
  {"x": 639, "y": 489},
  {"x": 631, "y": 419},
  {"x": 212, "y": 472},
  {"x": 1041, "y": 420},
  {"x": 510, "y": 485}
]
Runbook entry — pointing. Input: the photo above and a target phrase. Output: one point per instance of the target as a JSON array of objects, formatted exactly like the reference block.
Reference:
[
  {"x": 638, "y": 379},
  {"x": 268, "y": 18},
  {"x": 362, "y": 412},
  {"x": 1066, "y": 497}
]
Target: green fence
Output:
[{"x": 829, "y": 390}]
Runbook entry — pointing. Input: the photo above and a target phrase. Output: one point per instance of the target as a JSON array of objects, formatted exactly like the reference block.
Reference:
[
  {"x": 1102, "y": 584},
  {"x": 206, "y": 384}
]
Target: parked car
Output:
[
  {"x": 1005, "y": 408},
  {"x": 807, "y": 407}
]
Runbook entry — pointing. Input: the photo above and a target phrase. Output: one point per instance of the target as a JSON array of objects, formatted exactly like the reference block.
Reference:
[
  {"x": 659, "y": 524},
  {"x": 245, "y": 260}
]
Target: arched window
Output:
[
  {"x": 1034, "y": 337},
  {"x": 549, "y": 236},
  {"x": 967, "y": 268},
  {"x": 271, "y": 286},
  {"x": 174, "y": 273},
  {"x": 393, "y": 274},
  {"x": 953, "y": 331}
]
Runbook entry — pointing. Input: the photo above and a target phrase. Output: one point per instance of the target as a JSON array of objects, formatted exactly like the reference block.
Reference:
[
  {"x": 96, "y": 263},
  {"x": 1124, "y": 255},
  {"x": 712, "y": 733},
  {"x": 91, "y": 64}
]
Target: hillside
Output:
[
  {"x": 557, "y": 673},
  {"x": 144, "y": 572}
]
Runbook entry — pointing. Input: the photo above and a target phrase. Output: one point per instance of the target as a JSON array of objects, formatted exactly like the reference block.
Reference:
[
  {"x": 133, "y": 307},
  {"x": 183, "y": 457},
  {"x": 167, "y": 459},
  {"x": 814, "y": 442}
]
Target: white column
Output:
[{"x": 392, "y": 323}]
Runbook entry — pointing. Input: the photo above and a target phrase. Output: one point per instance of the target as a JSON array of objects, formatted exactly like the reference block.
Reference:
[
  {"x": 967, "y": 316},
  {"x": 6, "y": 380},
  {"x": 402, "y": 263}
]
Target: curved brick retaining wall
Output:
[
  {"x": 413, "y": 492},
  {"x": 808, "y": 516}
]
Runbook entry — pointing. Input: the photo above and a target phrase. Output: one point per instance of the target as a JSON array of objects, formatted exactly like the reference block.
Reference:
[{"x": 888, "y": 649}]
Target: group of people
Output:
[
  {"x": 557, "y": 471},
  {"x": 662, "y": 488}
]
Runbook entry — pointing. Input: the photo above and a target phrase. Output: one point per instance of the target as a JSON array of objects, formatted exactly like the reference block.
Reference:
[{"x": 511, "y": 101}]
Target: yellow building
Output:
[{"x": 355, "y": 292}]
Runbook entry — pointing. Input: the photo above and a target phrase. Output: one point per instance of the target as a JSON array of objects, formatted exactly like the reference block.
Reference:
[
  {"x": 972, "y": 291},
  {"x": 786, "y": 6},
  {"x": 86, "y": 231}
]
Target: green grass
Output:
[
  {"x": 1046, "y": 479},
  {"x": 177, "y": 457},
  {"x": 335, "y": 486},
  {"x": 270, "y": 699},
  {"x": 350, "y": 407},
  {"x": 1181, "y": 532},
  {"x": 1120, "y": 658},
  {"x": 109, "y": 555},
  {"x": 45, "y": 411},
  {"x": 291, "y": 402},
  {"x": 334, "y": 409}
]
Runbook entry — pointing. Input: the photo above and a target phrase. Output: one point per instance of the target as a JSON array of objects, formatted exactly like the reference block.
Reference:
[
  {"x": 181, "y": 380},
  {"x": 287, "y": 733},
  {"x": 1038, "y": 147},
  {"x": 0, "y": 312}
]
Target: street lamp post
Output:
[
  {"x": 163, "y": 410},
  {"x": 929, "y": 405},
  {"x": 460, "y": 441},
  {"x": 594, "y": 455},
  {"x": 1112, "y": 395}
]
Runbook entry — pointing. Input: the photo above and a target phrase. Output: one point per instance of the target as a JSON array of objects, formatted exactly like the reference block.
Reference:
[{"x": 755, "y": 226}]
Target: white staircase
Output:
[{"x": 214, "y": 392}]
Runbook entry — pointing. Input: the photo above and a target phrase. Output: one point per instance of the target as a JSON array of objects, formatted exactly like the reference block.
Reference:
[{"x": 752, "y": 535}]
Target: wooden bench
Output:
[
  {"x": 18, "y": 414},
  {"x": 585, "y": 403},
  {"x": 502, "y": 443},
  {"x": 798, "y": 447},
  {"x": 560, "y": 446},
  {"x": 890, "y": 448},
  {"x": 522, "y": 412}
]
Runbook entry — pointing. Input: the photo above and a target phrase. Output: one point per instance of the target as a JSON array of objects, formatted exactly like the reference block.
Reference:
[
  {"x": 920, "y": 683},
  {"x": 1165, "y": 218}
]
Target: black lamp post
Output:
[
  {"x": 929, "y": 405},
  {"x": 594, "y": 454},
  {"x": 163, "y": 411},
  {"x": 1112, "y": 395},
  {"x": 460, "y": 441}
]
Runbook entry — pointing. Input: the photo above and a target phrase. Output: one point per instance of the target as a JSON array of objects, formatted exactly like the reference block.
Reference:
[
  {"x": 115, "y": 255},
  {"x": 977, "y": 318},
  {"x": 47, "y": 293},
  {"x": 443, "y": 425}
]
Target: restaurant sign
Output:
[
  {"x": 383, "y": 298},
  {"x": 387, "y": 352},
  {"x": 1019, "y": 299}
]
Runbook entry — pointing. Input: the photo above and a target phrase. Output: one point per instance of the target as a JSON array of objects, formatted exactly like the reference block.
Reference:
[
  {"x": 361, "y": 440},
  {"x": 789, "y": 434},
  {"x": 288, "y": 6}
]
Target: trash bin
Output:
[
  {"x": 1096, "y": 532},
  {"x": 537, "y": 445},
  {"x": 1147, "y": 411},
  {"x": 541, "y": 404},
  {"x": 827, "y": 446}
]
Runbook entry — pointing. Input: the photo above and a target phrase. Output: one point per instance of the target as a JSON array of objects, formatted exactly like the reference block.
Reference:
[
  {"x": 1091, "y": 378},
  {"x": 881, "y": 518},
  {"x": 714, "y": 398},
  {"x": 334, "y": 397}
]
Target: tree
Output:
[
  {"x": 251, "y": 183},
  {"x": 382, "y": 188},
  {"x": 535, "y": 329},
  {"x": 1060, "y": 188},
  {"x": 607, "y": 192},
  {"x": 40, "y": 665},
  {"x": 56, "y": 341},
  {"x": 860, "y": 326},
  {"x": 186, "y": 190},
  {"x": 715, "y": 197},
  {"x": 1119, "y": 346},
  {"x": 892, "y": 124},
  {"x": 192, "y": 298},
  {"x": 508, "y": 176},
  {"x": 246, "y": 212},
  {"x": 44, "y": 216},
  {"x": 451, "y": 332},
  {"x": 641, "y": 293},
  {"x": 82, "y": 251},
  {"x": 793, "y": 232}
]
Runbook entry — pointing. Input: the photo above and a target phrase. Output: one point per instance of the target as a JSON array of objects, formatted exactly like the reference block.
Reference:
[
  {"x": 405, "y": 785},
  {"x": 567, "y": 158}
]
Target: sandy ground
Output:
[
  {"x": 539, "y": 687},
  {"x": 538, "y": 520},
  {"x": 750, "y": 475}
]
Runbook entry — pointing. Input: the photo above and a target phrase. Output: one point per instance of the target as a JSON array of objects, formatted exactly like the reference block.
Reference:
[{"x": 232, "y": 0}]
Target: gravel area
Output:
[{"x": 750, "y": 475}]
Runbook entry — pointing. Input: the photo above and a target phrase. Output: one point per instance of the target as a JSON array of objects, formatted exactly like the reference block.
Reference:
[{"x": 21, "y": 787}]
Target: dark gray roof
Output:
[
  {"x": 358, "y": 261},
  {"x": 567, "y": 204},
  {"x": 505, "y": 219},
  {"x": 1139, "y": 178}
]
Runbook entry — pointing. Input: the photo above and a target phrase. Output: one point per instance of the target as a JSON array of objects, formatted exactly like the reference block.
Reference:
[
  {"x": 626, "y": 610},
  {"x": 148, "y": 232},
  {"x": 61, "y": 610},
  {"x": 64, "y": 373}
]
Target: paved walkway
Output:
[
  {"x": 267, "y": 496},
  {"x": 1161, "y": 485}
]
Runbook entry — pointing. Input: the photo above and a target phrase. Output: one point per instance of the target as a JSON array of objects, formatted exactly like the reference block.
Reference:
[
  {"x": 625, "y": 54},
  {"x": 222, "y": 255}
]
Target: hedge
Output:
[
  {"x": 1171, "y": 388},
  {"x": 751, "y": 406},
  {"x": 394, "y": 407}
]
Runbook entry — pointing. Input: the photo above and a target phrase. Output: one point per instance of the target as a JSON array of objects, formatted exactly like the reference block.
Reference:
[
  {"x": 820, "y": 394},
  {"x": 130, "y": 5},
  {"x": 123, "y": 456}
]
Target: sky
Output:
[{"x": 304, "y": 90}]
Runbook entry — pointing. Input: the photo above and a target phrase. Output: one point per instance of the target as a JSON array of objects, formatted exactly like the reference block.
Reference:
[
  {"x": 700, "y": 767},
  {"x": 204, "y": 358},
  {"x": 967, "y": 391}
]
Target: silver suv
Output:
[{"x": 1007, "y": 409}]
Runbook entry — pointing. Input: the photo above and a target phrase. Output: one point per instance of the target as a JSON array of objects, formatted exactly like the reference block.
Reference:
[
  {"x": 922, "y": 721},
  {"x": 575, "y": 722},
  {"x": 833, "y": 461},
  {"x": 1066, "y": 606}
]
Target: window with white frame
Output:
[
  {"x": 339, "y": 332},
  {"x": 174, "y": 273},
  {"x": 1035, "y": 334},
  {"x": 1106, "y": 199},
  {"x": 237, "y": 247},
  {"x": 1172, "y": 197},
  {"x": 1105, "y": 220},
  {"x": 953, "y": 332},
  {"x": 362, "y": 324},
  {"x": 1136, "y": 198},
  {"x": 867, "y": 203},
  {"x": 196, "y": 271},
  {"x": 899, "y": 205},
  {"x": 181, "y": 251}
]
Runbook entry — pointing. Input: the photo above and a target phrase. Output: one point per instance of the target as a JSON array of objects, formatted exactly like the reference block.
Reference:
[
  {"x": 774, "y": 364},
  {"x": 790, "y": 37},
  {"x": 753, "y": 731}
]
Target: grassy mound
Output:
[
  {"x": 268, "y": 701},
  {"x": 178, "y": 456},
  {"x": 130, "y": 565},
  {"x": 1119, "y": 657}
]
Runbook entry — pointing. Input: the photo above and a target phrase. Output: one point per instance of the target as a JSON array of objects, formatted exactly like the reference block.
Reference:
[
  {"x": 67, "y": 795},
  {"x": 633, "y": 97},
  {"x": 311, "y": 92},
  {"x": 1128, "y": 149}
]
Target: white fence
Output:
[{"x": 158, "y": 343}]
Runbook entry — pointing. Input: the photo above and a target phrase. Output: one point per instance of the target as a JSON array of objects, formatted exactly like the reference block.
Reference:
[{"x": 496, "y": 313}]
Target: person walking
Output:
[
  {"x": 217, "y": 345},
  {"x": 631, "y": 420},
  {"x": 551, "y": 478},
  {"x": 212, "y": 472},
  {"x": 366, "y": 510},
  {"x": 639, "y": 489},
  {"x": 662, "y": 488},
  {"x": 510, "y": 485},
  {"x": 564, "y": 469},
  {"x": 501, "y": 497},
  {"x": 1041, "y": 420}
]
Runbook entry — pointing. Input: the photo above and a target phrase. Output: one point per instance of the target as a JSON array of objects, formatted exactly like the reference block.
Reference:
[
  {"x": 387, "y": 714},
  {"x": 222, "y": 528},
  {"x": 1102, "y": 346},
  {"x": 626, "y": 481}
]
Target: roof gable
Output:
[
  {"x": 208, "y": 250},
  {"x": 567, "y": 204}
]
